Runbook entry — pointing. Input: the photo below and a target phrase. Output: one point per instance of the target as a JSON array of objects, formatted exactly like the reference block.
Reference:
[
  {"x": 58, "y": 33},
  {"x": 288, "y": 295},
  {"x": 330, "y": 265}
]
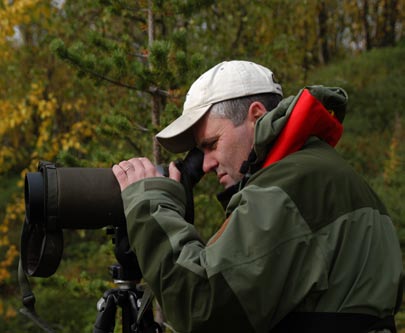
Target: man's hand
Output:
[{"x": 137, "y": 168}]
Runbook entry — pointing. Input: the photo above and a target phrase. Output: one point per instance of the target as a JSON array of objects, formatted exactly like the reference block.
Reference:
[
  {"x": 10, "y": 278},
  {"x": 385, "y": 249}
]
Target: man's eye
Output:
[
  {"x": 212, "y": 145},
  {"x": 209, "y": 145}
]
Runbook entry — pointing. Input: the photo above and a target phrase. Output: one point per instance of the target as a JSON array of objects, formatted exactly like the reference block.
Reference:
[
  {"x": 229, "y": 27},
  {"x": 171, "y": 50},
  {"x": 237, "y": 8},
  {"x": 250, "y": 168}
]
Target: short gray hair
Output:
[{"x": 237, "y": 109}]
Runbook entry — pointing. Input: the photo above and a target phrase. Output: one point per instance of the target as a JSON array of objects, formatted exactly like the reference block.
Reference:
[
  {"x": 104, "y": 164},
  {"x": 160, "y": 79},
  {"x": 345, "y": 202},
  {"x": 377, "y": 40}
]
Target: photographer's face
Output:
[{"x": 226, "y": 146}]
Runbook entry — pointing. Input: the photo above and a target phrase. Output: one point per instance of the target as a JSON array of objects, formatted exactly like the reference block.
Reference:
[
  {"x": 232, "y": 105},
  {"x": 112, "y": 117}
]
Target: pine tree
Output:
[{"x": 140, "y": 49}]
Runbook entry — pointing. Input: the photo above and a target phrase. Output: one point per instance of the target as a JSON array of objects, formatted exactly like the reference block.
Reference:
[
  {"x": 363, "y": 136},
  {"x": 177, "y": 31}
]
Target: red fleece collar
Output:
[{"x": 308, "y": 118}]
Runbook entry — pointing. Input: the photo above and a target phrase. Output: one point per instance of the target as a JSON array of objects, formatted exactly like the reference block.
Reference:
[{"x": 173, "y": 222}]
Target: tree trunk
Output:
[
  {"x": 324, "y": 55},
  {"x": 156, "y": 99},
  {"x": 366, "y": 25},
  {"x": 385, "y": 32},
  {"x": 391, "y": 16},
  {"x": 156, "y": 108}
]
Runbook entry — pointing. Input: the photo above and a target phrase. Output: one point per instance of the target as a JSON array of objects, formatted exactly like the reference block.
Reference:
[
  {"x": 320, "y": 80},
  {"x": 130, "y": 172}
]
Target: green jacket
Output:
[{"x": 305, "y": 234}]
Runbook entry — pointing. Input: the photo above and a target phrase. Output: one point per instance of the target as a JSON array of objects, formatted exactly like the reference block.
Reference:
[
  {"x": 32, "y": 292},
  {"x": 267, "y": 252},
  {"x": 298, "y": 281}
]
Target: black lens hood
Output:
[{"x": 41, "y": 245}]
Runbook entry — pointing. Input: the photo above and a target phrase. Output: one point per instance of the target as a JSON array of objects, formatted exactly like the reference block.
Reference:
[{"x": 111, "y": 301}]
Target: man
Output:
[{"x": 307, "y": 246}]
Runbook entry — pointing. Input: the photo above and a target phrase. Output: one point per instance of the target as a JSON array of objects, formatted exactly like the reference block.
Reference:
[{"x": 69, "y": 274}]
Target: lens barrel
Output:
[
  {"x": 73, "y": 198},
  {"x": 88, "y": 198}
]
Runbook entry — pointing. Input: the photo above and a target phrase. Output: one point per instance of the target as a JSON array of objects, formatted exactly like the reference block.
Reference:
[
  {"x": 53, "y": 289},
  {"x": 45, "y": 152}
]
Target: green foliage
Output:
[
  {"x": 377, "y": 76},
  {"x": 8, "y": 187}
]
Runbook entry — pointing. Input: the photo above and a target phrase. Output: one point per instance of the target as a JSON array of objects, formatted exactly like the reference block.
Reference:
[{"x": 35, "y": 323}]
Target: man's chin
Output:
[{"x": 227, "y": 182}]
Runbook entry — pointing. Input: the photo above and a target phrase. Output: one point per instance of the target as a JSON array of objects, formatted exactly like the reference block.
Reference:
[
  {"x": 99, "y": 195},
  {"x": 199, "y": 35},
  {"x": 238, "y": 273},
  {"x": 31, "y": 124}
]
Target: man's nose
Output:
[{"x": 209, "y": 163}]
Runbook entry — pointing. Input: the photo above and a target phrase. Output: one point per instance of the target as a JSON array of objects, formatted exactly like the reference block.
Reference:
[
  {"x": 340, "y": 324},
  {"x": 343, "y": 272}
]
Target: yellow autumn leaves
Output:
[
  {"x": 33, "y": 128},
  {"x": 14, "y": 13}
]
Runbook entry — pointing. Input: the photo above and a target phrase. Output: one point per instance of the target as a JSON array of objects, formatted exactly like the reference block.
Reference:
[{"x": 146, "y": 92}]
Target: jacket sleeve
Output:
[{"x": 243, "y": 280}]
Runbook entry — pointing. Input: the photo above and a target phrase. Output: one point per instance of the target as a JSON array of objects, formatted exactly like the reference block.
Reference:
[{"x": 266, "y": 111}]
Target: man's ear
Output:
[{"x": 256, "y": 110}]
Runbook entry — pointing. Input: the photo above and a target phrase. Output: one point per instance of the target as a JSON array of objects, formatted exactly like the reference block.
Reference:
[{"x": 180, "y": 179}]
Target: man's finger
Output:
[
  {"x": 121, "y": 176},
  {"x": 174, "y": 173},
  {"x": 126, "y": 166},
  {"x": 150, "y": 168}
]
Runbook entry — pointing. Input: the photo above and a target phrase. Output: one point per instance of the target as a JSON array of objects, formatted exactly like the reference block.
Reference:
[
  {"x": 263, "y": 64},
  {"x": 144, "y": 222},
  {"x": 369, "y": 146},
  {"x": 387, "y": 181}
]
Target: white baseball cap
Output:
[{"x": 227, "y": 80}]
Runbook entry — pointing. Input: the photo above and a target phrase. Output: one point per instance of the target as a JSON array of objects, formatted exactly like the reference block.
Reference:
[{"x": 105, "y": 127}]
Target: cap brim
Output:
[{"x": 178, "y": 136}]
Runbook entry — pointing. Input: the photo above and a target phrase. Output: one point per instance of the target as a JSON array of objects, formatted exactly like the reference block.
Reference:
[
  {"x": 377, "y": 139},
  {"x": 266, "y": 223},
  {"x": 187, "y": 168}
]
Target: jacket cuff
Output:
[{"x": 153, "y": 189}]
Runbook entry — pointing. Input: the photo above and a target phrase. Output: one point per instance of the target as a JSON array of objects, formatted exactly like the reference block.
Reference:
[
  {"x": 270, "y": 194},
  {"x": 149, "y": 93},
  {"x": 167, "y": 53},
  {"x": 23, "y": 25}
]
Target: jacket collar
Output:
[{"x": 315, "y": 111}]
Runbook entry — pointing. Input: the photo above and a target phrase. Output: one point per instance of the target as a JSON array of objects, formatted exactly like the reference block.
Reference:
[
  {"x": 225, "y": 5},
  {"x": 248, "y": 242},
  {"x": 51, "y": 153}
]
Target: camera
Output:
[{"x": 58, "y": 198}]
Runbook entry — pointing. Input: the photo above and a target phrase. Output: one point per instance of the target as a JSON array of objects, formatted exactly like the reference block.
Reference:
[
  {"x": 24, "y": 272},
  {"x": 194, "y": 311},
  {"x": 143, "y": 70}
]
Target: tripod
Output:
[{"x": 137, "y": 314}]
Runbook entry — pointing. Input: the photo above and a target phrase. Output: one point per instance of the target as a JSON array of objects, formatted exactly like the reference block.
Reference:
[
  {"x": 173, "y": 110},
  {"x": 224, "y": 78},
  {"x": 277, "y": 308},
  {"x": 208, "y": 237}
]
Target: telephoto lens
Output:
[
  {"x": 73, "y": 198},
  {"x": 58, "y": 198}
]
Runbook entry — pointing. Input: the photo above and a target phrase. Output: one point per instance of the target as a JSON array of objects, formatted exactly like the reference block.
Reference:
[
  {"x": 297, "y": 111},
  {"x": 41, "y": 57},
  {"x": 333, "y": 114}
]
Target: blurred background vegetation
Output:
[{"x": 89, "y": 83}]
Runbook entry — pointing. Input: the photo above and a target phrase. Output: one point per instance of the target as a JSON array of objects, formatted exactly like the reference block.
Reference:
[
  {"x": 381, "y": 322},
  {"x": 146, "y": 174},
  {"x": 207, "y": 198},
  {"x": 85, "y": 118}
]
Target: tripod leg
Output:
[
  {"x": 105, "y": 321},
  {"x": 129, "y": 313}
]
